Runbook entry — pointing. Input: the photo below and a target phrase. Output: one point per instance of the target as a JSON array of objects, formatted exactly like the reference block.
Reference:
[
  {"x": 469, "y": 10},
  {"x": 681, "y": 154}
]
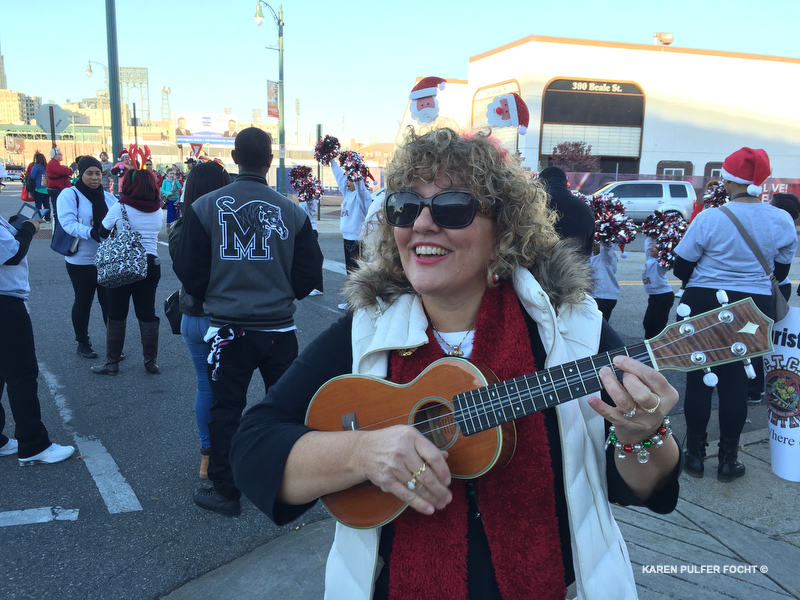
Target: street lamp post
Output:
[
  {"x": 259, "y": 18},
  {"x": 102, "y": 108}
]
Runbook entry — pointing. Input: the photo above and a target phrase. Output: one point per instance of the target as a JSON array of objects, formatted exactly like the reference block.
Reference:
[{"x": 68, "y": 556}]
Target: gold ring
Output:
[
  {"x": 412, "y": 484},
  {"x": 650, "y": 411}
]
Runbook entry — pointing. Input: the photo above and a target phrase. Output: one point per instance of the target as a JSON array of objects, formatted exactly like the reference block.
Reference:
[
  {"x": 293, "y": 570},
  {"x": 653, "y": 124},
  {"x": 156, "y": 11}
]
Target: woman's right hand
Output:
[{"x": 393, "y": 457}]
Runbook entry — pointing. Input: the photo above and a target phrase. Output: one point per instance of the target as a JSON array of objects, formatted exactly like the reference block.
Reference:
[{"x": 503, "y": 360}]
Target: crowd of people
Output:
[{"x": 470, "y": 259}]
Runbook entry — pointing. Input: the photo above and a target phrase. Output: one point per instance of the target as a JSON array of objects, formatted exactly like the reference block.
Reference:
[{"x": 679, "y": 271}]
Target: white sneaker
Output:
[
  {"x": 315, "y": 293},
  {"x": 9, "y": 448},
  {"x": 53, "y": 454},
  {"x": 343, "y": 306}
]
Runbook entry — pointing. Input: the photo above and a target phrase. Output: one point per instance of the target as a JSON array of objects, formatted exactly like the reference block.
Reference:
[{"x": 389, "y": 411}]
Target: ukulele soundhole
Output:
[{"x": 435, "y": 421}]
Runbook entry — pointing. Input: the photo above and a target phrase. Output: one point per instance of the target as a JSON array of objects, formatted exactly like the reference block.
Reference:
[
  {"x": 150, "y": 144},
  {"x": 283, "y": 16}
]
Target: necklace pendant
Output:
[{"x": 456, "y": 352}]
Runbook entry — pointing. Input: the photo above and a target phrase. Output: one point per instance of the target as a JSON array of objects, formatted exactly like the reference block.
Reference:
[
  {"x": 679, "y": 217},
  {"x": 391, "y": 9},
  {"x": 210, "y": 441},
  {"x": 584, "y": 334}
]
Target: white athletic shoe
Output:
[
  {"x": 9, "y": 448},
  {"x": 53, "y": 454},
  {"x": 343, "y": 306},
  {"x": 315, "y": 293}
]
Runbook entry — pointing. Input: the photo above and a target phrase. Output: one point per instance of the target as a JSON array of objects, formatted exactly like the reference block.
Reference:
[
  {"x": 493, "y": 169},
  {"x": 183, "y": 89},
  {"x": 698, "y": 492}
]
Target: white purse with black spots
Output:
[{"x": 121, "y": 258}]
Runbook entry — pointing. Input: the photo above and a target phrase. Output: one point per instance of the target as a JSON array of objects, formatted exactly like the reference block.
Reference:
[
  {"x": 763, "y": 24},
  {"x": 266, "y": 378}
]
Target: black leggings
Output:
[
  {"x": 143, "y": 293},
  {"x": 733, "y": 382},
  {"x": 84, "y": 282}
]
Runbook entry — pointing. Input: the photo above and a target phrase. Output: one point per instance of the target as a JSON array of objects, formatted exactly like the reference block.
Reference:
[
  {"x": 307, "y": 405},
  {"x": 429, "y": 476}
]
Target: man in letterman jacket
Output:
[{"x": 247, "y": 252}]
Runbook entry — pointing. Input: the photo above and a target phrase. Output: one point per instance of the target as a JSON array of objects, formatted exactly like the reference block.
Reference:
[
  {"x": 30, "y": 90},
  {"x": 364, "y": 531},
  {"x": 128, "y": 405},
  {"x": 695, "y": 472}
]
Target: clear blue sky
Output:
[{"x": 350, "y": 64}]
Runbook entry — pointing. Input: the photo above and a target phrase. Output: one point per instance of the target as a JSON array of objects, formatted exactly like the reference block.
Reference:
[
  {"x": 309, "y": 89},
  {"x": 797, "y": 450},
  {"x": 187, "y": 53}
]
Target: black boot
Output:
[
  {"x": 115, "y": 340},
  {"x": 149, "y": 333},
  {"x": 729, "y": 468},
  {"x": 85, "y": 349},
  {"x": 695, "y": 454}
]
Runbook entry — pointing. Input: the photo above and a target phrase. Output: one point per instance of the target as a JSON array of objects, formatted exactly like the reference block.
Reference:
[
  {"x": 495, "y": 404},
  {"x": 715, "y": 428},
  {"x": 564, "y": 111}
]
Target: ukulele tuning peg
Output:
[
  {"x": 683, "y": 310},
  {"x": 722, "y": 298},
  {"x": 749, "y": 370},
  {"x": 710, "y": 378}
]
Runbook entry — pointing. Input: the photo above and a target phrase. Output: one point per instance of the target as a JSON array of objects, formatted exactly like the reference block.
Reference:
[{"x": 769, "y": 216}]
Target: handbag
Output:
[
  {"x": 173, "y": 312},
  {"x": 780, "y": 305},
  {"x": 62, "y": 242},
  {"x": 121, "y": 258}
]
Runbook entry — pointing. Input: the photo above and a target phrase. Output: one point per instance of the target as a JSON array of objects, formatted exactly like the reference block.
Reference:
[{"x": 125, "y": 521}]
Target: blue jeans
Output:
[{"x": 193, "y": 329}]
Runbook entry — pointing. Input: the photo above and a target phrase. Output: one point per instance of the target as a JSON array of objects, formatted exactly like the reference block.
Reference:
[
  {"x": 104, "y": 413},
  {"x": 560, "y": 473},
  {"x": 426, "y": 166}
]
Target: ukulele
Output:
[{"x": 462, "y": 407}]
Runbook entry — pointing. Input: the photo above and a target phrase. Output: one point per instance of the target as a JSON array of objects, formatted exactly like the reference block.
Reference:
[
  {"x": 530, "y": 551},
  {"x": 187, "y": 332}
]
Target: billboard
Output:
[{"x": 205, "y": 128}]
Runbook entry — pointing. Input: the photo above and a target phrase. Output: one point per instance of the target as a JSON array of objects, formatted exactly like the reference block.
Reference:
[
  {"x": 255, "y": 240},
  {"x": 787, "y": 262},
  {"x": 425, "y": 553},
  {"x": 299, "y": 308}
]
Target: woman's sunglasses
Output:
[{"x": 452, "y": 209}]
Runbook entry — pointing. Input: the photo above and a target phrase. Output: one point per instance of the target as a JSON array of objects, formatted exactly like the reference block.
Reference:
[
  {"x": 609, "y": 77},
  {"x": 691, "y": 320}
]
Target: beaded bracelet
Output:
[{"x": 656, "y": 440}]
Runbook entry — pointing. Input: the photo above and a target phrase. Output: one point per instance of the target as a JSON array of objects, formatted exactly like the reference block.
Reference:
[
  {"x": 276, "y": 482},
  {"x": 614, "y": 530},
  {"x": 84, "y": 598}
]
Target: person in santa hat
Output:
[
  {"x": 424, "y": 105},
  {"x": 508, "y": 110},
  {"x": 714, "y": 256}
]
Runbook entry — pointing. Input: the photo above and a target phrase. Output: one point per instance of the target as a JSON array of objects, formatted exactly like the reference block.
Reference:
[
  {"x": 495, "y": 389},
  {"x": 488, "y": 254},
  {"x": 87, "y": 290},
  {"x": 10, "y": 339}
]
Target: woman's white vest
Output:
[{"x": 600, "y": 557}]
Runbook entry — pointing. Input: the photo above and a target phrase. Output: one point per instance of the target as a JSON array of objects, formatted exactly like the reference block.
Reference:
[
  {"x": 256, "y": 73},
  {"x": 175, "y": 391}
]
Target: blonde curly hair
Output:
[{"x": 478, "y": 163}]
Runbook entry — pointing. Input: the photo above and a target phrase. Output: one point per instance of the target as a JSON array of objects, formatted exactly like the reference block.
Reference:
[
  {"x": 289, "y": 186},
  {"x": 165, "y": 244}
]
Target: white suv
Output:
[{"x": 642, "y": 198}]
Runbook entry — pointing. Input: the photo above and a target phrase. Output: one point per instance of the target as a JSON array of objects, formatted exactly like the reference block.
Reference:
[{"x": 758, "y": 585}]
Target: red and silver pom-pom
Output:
[
  {"x": 714, "y": 196},
  {"x": 309, "y": 189},
  {"x": 667, "y": 230},
  {"x": 353, "y": 165},
  {"x": 299, "y": 173},
  {"x": 326, "y": 149},
  {"x": 611, "y": 224}
]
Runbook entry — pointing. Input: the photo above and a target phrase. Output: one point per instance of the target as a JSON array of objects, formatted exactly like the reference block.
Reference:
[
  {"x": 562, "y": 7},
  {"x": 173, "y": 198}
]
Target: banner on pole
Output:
[{"x": 272, "y": 99}]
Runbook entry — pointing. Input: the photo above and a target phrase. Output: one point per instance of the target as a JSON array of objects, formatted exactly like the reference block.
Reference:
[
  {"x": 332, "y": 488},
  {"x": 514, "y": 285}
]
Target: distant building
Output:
[{"x": 17, "y": 108}]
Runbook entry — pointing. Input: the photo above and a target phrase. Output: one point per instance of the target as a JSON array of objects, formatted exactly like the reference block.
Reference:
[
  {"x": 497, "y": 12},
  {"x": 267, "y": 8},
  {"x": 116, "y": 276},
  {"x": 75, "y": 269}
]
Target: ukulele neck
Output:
[{"x": 487, "y": 407}]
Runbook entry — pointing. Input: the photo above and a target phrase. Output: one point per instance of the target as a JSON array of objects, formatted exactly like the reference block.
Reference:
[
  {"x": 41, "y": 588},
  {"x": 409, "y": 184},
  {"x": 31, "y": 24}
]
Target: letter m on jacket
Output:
[{"x": 245, "y": 230}]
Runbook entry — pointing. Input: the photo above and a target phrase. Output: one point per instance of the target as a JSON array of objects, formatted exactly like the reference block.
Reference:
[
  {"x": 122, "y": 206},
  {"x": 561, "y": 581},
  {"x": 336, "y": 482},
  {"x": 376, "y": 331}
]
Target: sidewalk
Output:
[{"x": 715, "y": 545}]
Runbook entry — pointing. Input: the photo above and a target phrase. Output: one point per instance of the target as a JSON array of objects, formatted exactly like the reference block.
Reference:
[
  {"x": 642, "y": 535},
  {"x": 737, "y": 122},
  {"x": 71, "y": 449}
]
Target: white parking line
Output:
[
  {"x": 116, "y": 493},
  {"x": 335, "y": 266},
  {"x": 37, "y": 515}
]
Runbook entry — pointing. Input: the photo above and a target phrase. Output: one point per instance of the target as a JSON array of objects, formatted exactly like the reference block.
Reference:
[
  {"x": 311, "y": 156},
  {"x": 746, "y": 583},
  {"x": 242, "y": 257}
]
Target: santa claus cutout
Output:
[
  {"x": 424, "y": 105},
  {"x": 508, "y": 110}
]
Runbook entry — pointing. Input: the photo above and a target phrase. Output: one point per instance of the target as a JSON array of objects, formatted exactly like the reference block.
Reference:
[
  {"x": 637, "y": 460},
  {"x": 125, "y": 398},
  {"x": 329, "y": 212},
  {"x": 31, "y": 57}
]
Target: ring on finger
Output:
[
  {"x": 630, "y": 414},
  {"x": 650, "y": 411},
  {"x": 412, "y": 484}
]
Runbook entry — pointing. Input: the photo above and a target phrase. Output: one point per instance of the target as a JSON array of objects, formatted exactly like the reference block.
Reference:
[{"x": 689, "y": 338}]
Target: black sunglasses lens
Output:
[
  {"x": 453, "y": 209},
  {"x": 402, "y": 208}
]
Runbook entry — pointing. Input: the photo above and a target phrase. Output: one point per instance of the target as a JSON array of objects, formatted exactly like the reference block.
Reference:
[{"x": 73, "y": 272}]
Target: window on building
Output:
[
  {"x": 674, "y": 169},
  {"x": 713, "y": 170}
]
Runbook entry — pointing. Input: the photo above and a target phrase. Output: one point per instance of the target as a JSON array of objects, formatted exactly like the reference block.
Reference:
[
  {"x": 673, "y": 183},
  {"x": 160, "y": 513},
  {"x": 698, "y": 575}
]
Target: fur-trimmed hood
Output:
[{"x": 563, "y": 272}]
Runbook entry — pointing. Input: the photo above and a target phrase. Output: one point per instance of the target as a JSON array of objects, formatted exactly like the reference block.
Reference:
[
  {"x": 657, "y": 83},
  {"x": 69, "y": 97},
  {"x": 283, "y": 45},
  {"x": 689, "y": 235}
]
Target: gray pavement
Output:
[{"x": 725, "y": 540}]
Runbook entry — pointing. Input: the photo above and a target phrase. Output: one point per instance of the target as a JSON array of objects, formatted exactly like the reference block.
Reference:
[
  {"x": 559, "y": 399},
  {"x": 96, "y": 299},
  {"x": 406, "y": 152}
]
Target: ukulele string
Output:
[
  {"x": 485, "y": 408},
  {"x": 488, "y": 407},
  {"x": 665, "y": 344}
]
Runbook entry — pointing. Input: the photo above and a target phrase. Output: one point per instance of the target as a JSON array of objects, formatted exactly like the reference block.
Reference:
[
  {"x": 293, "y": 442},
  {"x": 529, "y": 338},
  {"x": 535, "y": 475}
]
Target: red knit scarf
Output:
[{"x": 517, "y": 502}]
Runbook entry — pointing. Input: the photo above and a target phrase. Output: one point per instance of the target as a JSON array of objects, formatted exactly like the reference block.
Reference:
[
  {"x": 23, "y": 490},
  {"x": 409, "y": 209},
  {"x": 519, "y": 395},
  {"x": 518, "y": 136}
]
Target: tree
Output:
[{"x": 574, "y": 157}]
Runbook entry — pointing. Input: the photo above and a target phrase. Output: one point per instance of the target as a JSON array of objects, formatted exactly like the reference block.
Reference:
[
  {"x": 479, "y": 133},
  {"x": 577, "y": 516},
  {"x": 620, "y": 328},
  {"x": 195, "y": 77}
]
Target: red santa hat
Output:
[
  {"x": 428, "y": 86},
  {"x": 519, "y": 113},
  {"x": 749, "y": 167}
]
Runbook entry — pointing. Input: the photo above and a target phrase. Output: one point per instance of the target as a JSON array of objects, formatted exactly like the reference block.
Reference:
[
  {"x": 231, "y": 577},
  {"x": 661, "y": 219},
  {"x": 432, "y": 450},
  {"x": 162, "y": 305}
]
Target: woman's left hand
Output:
[{"x": 641, "y": 400}]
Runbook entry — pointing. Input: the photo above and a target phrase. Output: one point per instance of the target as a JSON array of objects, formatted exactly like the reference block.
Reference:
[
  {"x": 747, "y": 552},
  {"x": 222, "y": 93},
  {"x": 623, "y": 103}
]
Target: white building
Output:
[{"x": 648, "y": 110}]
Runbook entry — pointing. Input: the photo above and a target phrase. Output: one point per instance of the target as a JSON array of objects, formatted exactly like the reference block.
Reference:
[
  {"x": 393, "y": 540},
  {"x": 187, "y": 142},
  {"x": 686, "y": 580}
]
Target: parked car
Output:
[{"x": 643, "y": 198}]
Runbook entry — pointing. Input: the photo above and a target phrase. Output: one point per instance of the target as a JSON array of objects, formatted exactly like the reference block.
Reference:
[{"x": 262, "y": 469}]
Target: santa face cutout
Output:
[
  {"x": 425, "y": 110},
  {"x": 508, "y": 110}
]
